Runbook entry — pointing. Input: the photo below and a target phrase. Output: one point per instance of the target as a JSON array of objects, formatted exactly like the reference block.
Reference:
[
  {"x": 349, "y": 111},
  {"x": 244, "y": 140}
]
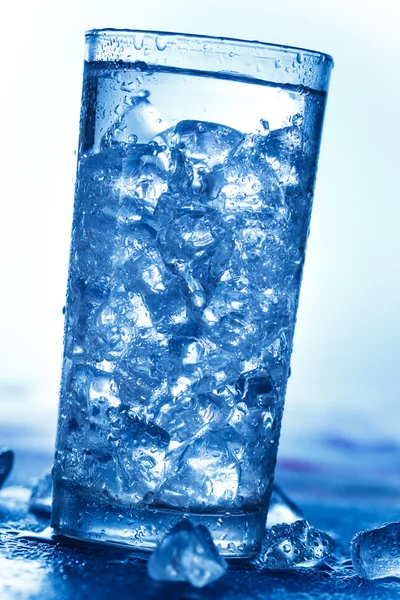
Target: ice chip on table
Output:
[
  {"x": 293, "y": 545},
  {"x": 187, "y": 553},
  {"x": 6, "y": 463},
  {"x": 376, "y": 553},
  {"x": 138, "y": 121},
  {"x": 41, "y": 496},
  {"x": 281, "y": 509}
]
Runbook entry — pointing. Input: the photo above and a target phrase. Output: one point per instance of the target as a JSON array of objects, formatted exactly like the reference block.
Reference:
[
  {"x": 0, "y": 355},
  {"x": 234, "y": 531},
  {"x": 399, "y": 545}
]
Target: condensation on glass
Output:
[{"x": 196, "y": 168}]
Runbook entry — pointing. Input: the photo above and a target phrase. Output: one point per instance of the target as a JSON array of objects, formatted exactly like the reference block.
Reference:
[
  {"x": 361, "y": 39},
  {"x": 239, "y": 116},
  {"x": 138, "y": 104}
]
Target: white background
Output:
[{"x": 345, "y": 374}]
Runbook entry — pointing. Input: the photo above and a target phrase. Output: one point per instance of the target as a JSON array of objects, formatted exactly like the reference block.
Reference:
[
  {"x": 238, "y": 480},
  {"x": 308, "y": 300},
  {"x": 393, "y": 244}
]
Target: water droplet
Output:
[
  {"x": 149, "y": 498},
  {"x": 286, "y": 548},
  {"x": 132, "y": 139},
  {"x": 161, "y": 43},
  {"x": 300, "y": 58},
  {"x": 278, "y": 64},
  {"x": 297, "y": 120},
  {"x": 138, "y": 42},
  {"x": 198, "y": 298},
  {"x": 265, "y": 125},
  {"x": 239, "y": 500},
  {"x": 119, "y": 110},
  {"x": 147, "y": 51},
  {"x": 268, "y": 420}
]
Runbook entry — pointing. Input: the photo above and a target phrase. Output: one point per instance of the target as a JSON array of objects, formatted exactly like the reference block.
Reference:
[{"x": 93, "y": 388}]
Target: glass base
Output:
[{"x": 88, "y": 518}]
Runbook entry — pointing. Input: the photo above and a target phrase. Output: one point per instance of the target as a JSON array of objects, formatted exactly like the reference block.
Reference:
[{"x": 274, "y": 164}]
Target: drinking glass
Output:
[{"x": 196, "y": 169}]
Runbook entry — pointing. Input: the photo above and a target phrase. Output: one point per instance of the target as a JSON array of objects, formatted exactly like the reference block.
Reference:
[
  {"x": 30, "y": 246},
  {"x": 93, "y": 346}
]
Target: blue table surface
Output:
[{"x": 340, "y": 504}]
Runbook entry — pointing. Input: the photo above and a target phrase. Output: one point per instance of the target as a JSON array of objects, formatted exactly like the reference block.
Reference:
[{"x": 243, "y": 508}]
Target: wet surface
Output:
[{"x": 31, "y": 569}]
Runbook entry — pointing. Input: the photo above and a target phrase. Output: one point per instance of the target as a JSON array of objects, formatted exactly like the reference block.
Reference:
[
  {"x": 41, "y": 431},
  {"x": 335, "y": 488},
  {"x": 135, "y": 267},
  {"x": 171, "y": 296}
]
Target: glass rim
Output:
[{"x": 92, "y": 33}]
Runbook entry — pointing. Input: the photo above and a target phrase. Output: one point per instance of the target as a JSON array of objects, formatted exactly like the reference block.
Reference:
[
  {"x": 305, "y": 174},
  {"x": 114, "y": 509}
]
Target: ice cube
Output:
[
  {"x": 141, "y": 184},
  {"x": 195, "y": 244},
  {"x": 207, "y": 143},
  {"x": 120, "y": 188},
  {"x": 89, "y": 387},
  {"x": 283, "y": 149},
  {"x": 85, "y": 299},
  {"x": 146, "y": 273},
  {"x": 204, "y": 473},
  {"x": 376, "y": 553},
  {"x": 142, "y": 382},
  {"x": 6, "y": 463},
  {"x": 139, "y": 122},
  {"x": 99, "y": 182},
  {"x": 243, "y": 186},
  {"x": 140, "y": 451},
  {"x": 93, "y": 467},
  {"x": 112, "y": 452},
  {"x": 186, "y": 417},
  {"x": 252, "y": 455},
  {"x": 116, "y": 323},
  {"x": 192, "y": 149},
  {"x": 295, "y": 545},
  {"x": 236, "y": 335},
  {"x": 41, "y": 496},
  {"x": 195, "y": 232},
  {"x": 96, "y": 240},
  {"x": 187, "y": 553},
  {"x": 281, "y": 509}
]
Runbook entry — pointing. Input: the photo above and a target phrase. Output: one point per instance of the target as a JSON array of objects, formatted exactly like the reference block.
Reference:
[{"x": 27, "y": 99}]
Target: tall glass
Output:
[{"x": 196, "y": 169}]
